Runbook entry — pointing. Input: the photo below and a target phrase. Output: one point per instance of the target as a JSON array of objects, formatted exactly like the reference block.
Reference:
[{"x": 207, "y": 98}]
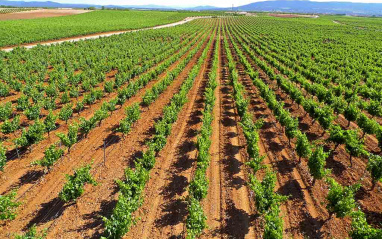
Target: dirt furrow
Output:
[
  {"x": 304, "y": 212},
  {"x": 338, "y": 160},
  {"x": 212, "y": 205},
  {"x": 237, "y": 210},
  {"x": 132, "y": 151},
  {"x": 16, "y": 166},
  {"x": 371, "y": 141},
  {"x": 18, "y": 172},
  {"x": 41, "y": 203},
  {"x": 319, "y": 191},
  {"x": 163, "y": 215},
  {"x": 370, "y": 138}
]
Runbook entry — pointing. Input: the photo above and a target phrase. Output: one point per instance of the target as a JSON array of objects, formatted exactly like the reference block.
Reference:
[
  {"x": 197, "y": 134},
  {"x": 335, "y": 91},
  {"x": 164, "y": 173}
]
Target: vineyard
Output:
[
  {"x": 223, "y": 127},
  {"x": 12, "y": 10},
  {"x": 16, "y": 32}
]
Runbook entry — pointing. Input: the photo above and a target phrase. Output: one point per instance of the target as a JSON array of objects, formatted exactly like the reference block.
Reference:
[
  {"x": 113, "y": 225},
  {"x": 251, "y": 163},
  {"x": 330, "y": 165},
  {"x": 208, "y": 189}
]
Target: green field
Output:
[
  {"x": 223, "y": 127},
  {"x": 16, "y": 32}
]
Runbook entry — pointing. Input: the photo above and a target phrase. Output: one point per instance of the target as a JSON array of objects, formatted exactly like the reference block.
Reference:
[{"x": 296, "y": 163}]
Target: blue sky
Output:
[{"x": 218, "y": 3}]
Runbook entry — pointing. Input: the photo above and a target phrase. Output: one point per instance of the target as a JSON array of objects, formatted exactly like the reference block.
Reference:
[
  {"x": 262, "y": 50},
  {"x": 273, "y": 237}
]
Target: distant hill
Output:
[
  {"x": 202, "y": 8},
  {"x": 75, "y": 5},
  {"x": 149, "y": 6},
  {"x": 43, "y": 4},
  {"x": 293, "y": 6}
]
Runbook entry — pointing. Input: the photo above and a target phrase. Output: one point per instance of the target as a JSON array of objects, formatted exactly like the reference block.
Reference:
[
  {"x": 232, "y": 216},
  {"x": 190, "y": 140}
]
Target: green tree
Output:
[
  {"x": 265, "y": 196},
  {"x": 379, "y": 137},
  {"x": 71, "y": 138},
  {"x": 50, "y": 122},
  {"x": 291, "y": 128},
  {"x": 65, "y": 98},
  {"x": 51, "y": 91},
  {"x": 374, "y": 166},
  {"x": 340, "y": 199},
  {"x": 49, "y": 104},
  {"x": 6, "y": 111},
  {"x": 3, "y": 157},
  {"x": 66, "y": 112},
  {"x": 337, "y": 135},
  {"x": 74, "y": 187},
  {"x": 100, "y": 115},
  {"x": 34, "y": 134},
  {"x": 32, "y": 233},
  {"x": 132, "y": 115},
  {"x": 317, "y": 163},
  {"x": 375, "y": 108},
  {"x": 273, "y": 228},
  {"x": 22, "y": 103},
  {"x": 8, "y": 206},
  {"x": 361, "y": 229},
  {"x": 74, "y": 92},
  {"x": 79, "y": 106},
  {"x": 87, "y": 125},
  {"x": 33, "y": 113},
  {"x": 354, "y": 145},
  {"x": 303, "y": 147},
  {"x": 51, "y": 155},
  {"x": 109, "y": 87},
  {"x": 351, "y": 113},
  {"x": 367, "y": 125},
  {"x": 326, "y": 117},
  {"x": 11, "y": 126},
  {"x": 4, "y": 90},
  {"x": 198, "y": 187},
  {"x": 196, "y": 221}
]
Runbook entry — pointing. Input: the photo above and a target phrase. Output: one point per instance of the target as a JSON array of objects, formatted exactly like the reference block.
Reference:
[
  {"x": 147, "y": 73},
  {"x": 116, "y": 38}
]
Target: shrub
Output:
[{"x": 74, "y": 187}]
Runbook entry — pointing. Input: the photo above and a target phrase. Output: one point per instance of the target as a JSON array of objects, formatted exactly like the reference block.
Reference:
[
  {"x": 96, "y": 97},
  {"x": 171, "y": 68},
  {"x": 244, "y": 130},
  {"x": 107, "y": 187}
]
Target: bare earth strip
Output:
[
  {"x": 99, "y": 35},
  {"x": 41, "y": 205},
  {"x": 237, "y": 212},
  {"x": 212, "y": 204},
  {"x": 163, "y": 214},
  {"x": 41, "y": 13}
]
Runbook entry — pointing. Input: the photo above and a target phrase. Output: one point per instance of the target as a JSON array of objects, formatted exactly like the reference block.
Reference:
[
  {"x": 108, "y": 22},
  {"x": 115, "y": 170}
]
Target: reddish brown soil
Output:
[
  {"x": 41, "y": 13},
  {"x": 212, "y": 205},
  {"x": 229, "y": 206},
  {"x": 237, "y": 209},
  {"x": 87, "y": 112},
  {"x": 338, "y": 162},
  {"x": 371, "y": 141},
  {"x": 301, "y": 212},
  {"x": 18, "y": 173},
  {"x": 41, "y": 204},
  {"x": 164, "y": 211}
]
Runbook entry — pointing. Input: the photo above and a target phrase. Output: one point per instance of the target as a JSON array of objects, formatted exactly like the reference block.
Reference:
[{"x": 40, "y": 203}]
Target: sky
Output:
[{"x": 177, "y": 3}]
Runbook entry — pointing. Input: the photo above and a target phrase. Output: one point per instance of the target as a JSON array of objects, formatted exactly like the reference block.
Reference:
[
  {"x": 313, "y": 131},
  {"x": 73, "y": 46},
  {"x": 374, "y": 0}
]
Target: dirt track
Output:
[
  {"x": 98, "y": 35},
  {"x": 45, "y": 207}
]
